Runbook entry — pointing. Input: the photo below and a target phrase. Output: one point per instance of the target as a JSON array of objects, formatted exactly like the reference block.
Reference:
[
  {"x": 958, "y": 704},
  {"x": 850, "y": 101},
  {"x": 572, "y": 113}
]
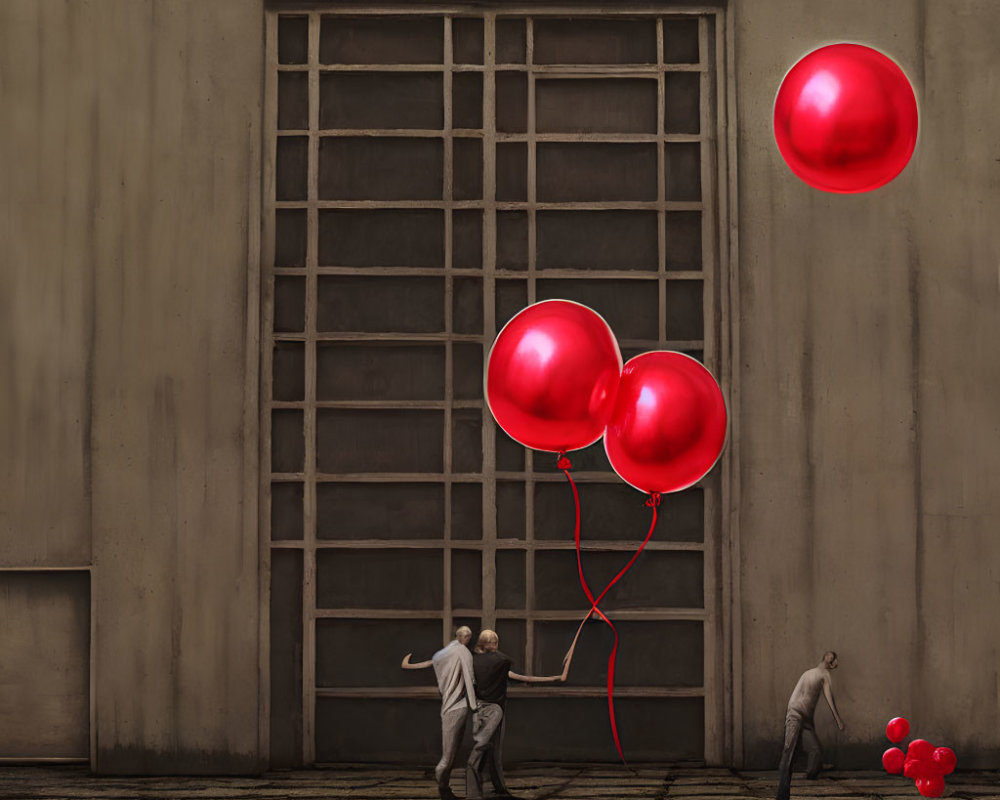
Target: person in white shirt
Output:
[{"x": 453, "y": 669}]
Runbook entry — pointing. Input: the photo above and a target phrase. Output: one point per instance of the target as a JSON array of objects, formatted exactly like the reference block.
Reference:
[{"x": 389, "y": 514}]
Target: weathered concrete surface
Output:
[
  {"x": 870, "y": 430},
  {"x": 531, "y": 782}
]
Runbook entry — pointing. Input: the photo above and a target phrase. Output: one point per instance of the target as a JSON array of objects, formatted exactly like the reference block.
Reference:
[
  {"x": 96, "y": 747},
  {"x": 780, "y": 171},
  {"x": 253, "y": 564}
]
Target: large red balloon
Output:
[
  {"x": 552, "y": 376},
  {"x": 845, "y": 119},
  {"x": 897, "y": 729},
  {"x": 669, "y": 423},
  {"x": 946, "y": 759},
  {"x": 932, "y": 786}
]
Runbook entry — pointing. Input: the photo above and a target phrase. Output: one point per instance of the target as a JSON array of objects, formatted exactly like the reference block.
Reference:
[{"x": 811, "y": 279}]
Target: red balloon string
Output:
[{"x": 652, "y": 502}]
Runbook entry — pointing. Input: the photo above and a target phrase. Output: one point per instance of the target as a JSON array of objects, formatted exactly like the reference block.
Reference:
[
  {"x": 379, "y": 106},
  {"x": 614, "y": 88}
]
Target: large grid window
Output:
[{"x": 427, "y": 176}]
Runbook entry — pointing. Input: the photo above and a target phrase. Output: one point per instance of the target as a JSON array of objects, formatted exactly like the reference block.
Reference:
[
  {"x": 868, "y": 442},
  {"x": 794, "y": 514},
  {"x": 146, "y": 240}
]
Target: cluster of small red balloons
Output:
[
  {"x": 923, "y": 762},
  {"x": 555, "y": 381}
]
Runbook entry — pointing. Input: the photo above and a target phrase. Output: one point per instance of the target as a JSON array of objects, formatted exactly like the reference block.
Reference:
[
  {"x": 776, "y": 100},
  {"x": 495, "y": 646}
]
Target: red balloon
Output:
[
  {"x": 897, "y": 729},
  {"x": 946, "y": 759},
  {"x": 892, "y": 760},
  {"x": 912, "y": 768},
  {"x": 845, "y": 119},
  {"x": 930, "y": 786},
  {"x": 920, "y": 749},
  {"x": 669, "y": 422},
  {"x": 552, "y": 376}
]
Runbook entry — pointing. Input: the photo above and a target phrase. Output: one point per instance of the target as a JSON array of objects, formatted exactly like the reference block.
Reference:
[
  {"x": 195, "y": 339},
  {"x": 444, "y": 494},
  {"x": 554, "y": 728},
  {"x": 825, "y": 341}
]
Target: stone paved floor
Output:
[{"x": 532, "y": 782}]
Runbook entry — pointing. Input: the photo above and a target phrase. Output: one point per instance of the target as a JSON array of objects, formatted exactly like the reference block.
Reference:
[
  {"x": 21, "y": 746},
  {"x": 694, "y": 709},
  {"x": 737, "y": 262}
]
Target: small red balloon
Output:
[
  {"x": 552, "y": 376},
  {"x": 897, "y": 729},
  {"x": 946, "y": 759},
  {"x": 912, "y": 768},
  {"x": 845, "y": 119},
  {"x": 892, "y": 760},
  {"x": 931, "y": 786},
  {"x": 669, "y": 423}
]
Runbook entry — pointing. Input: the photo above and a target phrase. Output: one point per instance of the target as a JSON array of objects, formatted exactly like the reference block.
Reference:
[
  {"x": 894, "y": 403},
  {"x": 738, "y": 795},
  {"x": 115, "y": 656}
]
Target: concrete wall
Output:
[
  {"x": 870, "y": 422},
  {"x": 129, "y": 143}
]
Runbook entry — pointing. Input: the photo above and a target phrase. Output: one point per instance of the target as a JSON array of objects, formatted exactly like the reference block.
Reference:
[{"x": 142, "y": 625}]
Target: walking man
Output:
[
  {"x": 453, "y": 669},
  {"x": 799, "y": 721}
]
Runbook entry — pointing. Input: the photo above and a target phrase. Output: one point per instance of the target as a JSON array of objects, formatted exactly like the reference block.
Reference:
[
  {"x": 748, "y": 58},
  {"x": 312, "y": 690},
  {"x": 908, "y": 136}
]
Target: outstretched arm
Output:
[
  {"x": 828, "y": 691},
  {"x": 419, "y": 665},
  {"x": 567, "y": 660}
]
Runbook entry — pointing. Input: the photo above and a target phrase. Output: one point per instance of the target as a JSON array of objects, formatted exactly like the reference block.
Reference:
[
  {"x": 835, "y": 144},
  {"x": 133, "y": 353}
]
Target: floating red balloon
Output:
[
  {"x": 845, "y": 119},
  {"x": 931, "y": 786},
  {"x": 920, "y": 749},
  {"x": 552, "y": 376},
  {"x": 892, "y": 760},
  {"x": 946, "y": 759},
  {"x": 669, "y": 422},
  {"x": 897, "y": 729}
]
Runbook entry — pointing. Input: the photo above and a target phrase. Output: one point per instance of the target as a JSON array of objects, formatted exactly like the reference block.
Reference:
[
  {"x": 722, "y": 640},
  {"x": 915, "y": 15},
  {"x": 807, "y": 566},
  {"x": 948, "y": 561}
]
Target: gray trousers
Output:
[
  {"x": 452, "y": 730},
  {"x": 488, "y": 725},
  {"x": 797, "y": 728}
]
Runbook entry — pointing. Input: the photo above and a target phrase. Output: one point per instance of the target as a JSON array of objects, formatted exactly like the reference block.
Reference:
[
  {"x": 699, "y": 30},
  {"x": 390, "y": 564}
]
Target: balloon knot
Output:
[
  {"x": 653, "y": 500},
  {"x": 563, "y": 462}
]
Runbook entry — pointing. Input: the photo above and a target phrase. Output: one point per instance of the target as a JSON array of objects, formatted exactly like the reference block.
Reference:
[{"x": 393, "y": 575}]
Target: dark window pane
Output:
[
  {"x": 678, "y": 646},
  {"x": 404, "y": 731},
  {"x": 685, "y": 319},
  {"x": 682, "y": 106},
  {"x": 370, "y": 371},
  {"x": 680, "y": 41},
  {"x": 467, "y": 39},
  {"x": 683, "y": 240},
  {"x": 288, "y": 445},
  {"x": 683, "y": 171},
  {"x": 512, "y": 240},
  {"x": 286, "y": 511},
  {"x": 510, "y": 510},
  {"x": 293, "y": 40},
  {"x": 511, "y": 633},
  {"x": 407, "y": 578},
  {"x": 292, "y": 167},
  {"x": 289, "y": 371},
  {"x": 658, "y": 579},
  {"x": 510, "y": 579},
  {"x": 293, "y": 100},
  {"x": 468, "y": 174},
  {"x": 468, "y": 366},
  {"x": 289, "y": 304},
  {"x": 354, "y": 440},
  {"x": 290, "y": 237},
  {"x": 511, "y": 47},
  {"x": 576, "y": 729},
  {"x": 596, "y": 105},
  {"x": 397, "y": 304},
  {"x": 512, "y": 171},
  {"x": 597, "y": 240},
  {"x": 467, "y": 440},
  {"x": 595, "y": 41},
  {"x": 512, "y": 296},
  {"x": 398, "y": 237},
  {"x": 339, "y": 641},
  {"x": 583, "y": 171},
  {"x": 467, "y": 91},
  {"x": 466, "y": 579},
  {"x": 468, "y": 305},
  {"x": 380, "y": 168},
  {"x": 512, "y": 102},
  {"x": 467, "y": 239},
  {"x": 379, "y": 510},
  {"x": 466, "y": 511},
  {"x": 365, "y": 100},
  {"x": 381, "y": 40},
  {"x": 617, "y": 512},
  {"x": 286, "y": 658},
  {"x": 629, "y": 307},
  {"x": 510, "y": 454}
]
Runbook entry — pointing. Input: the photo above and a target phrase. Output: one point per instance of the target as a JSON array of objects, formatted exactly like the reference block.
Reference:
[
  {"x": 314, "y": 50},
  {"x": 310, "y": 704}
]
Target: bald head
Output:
[{"x": 463, "y": 634}]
